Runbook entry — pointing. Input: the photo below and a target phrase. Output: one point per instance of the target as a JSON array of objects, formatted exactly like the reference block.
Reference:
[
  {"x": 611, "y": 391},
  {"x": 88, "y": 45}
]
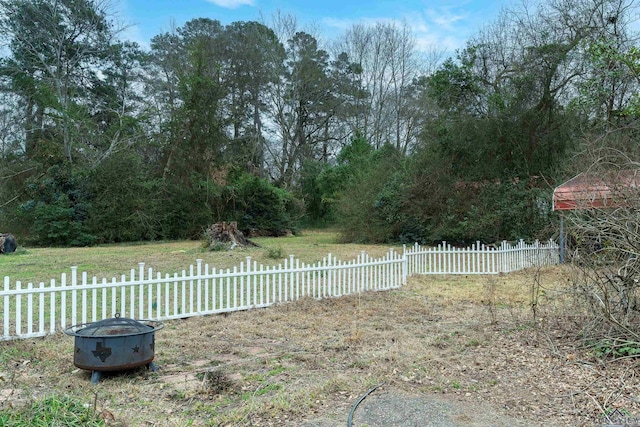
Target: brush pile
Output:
[
  {"x": 225, "y": 236},
  {"x": 8, "y": 243}
]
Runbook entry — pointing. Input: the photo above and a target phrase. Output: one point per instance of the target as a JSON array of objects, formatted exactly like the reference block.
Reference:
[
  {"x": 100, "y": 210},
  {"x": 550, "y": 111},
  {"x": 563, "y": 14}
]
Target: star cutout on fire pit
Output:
[
  {"x": 136, "y": 349},
  {"x": 101, "y": 352}
]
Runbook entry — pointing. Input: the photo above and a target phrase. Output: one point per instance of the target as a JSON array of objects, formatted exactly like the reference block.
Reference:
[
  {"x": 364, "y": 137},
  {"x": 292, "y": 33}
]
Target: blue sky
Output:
[{"x": 443, "y": 24}]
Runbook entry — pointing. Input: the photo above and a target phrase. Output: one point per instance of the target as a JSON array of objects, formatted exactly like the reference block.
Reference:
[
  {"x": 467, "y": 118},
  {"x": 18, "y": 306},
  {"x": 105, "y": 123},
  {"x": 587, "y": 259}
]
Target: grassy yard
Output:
[
  {"x": 472, "y": 339},
  {"x": 42, "y": 264}
]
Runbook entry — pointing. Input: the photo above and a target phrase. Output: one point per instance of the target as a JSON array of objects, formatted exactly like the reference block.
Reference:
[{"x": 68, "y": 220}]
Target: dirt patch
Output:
[
  {"x": 392, "y": 407},
  {"x": 446, "y": 343}
]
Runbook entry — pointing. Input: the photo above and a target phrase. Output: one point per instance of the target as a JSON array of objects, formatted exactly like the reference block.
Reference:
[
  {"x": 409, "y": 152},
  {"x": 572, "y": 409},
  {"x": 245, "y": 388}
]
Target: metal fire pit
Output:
[{"x": 114, "y": 344}]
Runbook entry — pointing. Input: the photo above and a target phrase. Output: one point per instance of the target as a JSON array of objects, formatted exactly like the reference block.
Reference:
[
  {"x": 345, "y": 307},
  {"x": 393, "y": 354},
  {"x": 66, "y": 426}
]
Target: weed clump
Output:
[
  {"x": 215, "y": 381},
  {"x": 53, "y": 410}
]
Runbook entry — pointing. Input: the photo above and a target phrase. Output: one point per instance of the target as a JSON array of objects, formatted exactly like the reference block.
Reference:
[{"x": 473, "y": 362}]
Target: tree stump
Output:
[
  {"x": 225, "y": 235},
  {"x": 8, "y": 243}
]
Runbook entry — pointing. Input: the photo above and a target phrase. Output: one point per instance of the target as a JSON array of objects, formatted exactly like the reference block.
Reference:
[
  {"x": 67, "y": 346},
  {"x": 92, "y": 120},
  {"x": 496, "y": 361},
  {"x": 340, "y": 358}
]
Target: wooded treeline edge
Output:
[{"x": 102, "y": 140}]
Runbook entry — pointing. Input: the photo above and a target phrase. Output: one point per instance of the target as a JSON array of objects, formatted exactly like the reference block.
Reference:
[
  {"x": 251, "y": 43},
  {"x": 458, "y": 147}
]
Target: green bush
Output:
[
  {"x": 492, "y": 212},
  {"x": 318, "y": 204},
  {"x": 184, "y": 210},
  {"x": 367, "y": 211},
  {"x": 391, "y": 198},
  {"x": 275, "y": 252},
  {"x": 124, "y": 201},
  {"x": 14, "y": 173},
  {"x": 259, "y": 207},
  {"x": 121, "y": 200},
  {"x": 57, "y": 208}
]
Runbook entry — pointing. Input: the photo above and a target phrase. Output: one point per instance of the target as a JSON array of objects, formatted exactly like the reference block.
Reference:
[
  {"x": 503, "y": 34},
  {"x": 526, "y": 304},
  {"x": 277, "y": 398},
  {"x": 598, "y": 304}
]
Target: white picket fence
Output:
[
  {"x": 480, "y": 259},
  {"x": 34, "y": 311}
]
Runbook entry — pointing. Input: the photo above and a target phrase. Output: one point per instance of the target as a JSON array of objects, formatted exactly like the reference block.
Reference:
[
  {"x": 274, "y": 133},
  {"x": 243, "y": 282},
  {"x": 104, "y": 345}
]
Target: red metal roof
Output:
[{"x": 588, "y": 190}]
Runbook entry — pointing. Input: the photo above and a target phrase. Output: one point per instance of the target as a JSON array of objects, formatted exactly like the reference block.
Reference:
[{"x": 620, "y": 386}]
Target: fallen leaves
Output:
[{"x": 309, "y": 358}]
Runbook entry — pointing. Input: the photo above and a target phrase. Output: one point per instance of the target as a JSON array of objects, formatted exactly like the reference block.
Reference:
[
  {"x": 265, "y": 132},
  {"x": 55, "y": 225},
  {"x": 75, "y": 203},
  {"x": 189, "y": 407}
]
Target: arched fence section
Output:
[{"x": 30, "y": 310}]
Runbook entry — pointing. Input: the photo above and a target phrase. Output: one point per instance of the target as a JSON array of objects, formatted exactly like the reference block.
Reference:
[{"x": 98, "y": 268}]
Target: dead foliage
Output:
[
  {"x": 8, "y": 243},
  {"x": 468, "y": 338},
  {"x": 225, "y": 235}
]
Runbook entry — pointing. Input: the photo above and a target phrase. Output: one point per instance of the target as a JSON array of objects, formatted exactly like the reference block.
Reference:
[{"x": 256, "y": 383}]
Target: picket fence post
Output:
[
  {"x": 204, "y": 290},
  {"x": 6, "y": 309}
]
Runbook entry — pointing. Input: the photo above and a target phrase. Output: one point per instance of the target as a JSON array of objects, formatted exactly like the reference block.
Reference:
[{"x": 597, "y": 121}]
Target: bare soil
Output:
[{"x": 472, "y": 341}]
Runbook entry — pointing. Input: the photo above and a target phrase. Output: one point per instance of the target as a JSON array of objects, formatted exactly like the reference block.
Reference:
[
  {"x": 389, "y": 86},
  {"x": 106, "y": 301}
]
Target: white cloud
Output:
[
  {"x": 343, "y": 24},
  {"x": 132, "y": 33},
  {"x": 232, "y": 4},
  {"x": 446, "y": 27},
  {"x": 430, "y": 36},
  {"x": 445, "y": 18},
  {"x": 338, "y": 23},
  {"x": 426, "y": 34}
]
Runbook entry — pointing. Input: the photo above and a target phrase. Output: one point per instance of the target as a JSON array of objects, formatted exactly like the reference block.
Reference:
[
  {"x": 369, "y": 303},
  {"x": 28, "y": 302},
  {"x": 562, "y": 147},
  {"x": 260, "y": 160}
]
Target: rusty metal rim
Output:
[{"x": 74, "y": 329}]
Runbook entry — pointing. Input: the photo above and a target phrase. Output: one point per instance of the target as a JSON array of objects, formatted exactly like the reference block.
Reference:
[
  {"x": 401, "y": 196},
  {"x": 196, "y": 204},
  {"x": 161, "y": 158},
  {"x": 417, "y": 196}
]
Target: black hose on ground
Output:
[{"x": 355, "y": 405}]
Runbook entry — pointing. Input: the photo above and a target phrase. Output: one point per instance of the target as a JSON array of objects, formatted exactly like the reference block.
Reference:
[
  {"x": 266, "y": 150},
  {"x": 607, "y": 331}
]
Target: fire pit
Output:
[{"x": 114, "y": 344}]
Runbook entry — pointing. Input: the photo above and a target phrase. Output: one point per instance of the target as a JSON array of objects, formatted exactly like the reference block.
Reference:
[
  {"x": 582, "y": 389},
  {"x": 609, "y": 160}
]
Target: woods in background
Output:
[{"x": 104, "y": 141}]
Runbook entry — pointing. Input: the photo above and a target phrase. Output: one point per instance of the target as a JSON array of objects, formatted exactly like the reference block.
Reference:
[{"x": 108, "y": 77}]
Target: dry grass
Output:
[
  {"x": 469, "y": 338},
  {"x": 42, "y": 264}
]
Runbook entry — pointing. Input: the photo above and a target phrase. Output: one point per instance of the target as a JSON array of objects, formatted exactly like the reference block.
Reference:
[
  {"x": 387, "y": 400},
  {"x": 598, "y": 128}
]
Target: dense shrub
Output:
[
  {"x": 367, "y": 210},
  {"x": 14, "y": 174},
  {"x": 391, "y": 198},
  {"x": 445, "y": 207},
  {"x": 57, "y": 208},
  {"x": 491, "y": 212},
  {"x": 318, "y": 204},
  {"x": 124, "y": 201},
  {"x": 121, "y": 200},
  {"x": 184, "y": 210},
  {"x": 259, "y": 207}
]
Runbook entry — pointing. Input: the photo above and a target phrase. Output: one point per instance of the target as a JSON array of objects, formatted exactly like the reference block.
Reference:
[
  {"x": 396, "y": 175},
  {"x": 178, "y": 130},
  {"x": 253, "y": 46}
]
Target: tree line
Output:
[{"x": 102, "y": 140}]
